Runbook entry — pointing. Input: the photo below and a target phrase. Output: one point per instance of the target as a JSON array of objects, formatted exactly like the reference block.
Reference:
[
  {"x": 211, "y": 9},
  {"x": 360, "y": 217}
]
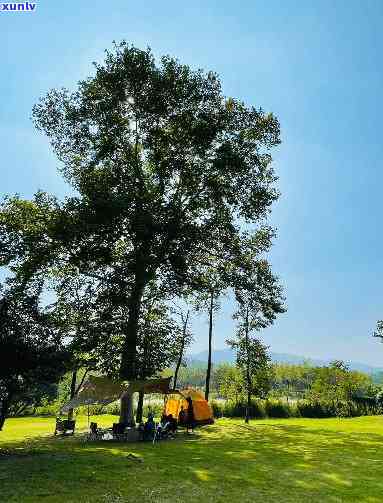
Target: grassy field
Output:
[{"x": 293, "y": 460}]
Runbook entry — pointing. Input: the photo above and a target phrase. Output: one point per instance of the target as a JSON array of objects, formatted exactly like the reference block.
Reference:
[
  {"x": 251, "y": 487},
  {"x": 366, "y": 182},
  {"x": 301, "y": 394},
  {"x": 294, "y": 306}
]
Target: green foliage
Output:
[
  {"x": 260, "y": 300},
  {"x": 277, "y": 409},
  {"x": 258, "y": 409},
  {"x": 253, "y": 362},
  {"x": 332, "y": 391},
  {"x": 336, "y": 383},
  {"x": 165, "y": 168},
  {"x": 292, "y": 381},
  {"x": 32, "y": 355},
  {"x": 191, "y": 376},
  {"x": 302, "y": 408},
  {"x": 315, "y": 409},
  {"x": 229, "y": 382}
]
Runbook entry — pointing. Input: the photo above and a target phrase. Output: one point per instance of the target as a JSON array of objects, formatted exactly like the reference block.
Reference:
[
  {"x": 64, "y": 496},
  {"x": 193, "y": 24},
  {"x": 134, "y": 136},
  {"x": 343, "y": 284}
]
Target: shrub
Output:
[
  {"x": 217, "y": 409},
  {"x": 315, "y": 409},
  {"x": 277, "y": 409},
  {"x": 232, "y": 409},
  {"x": 156, "y": 408},
  {"x": 257, "y": 409}
]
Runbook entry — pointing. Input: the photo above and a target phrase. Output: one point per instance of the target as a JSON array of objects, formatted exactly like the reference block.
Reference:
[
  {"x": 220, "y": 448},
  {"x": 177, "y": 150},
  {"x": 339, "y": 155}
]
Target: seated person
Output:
[
  {"x": 190, "y": 421},
  {"x": 150, "y": 414},
  {"x": 172, "y": 423},
  {"x": 119, "y": 428},
  {"x": 182, "y": 416},
  {"x": 149, "y": 429},
  {"x": 165, "y": 428}
]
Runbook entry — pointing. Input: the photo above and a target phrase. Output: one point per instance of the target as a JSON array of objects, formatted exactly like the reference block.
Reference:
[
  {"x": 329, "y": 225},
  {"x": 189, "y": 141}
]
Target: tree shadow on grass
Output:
[{"x": 273, "y": 463}]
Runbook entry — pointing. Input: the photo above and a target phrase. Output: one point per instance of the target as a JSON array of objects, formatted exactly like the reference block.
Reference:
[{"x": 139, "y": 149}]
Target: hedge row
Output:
[
  {"x": 259, "y": 409},
  {"x": 94, "y": 410},
  {"x": 277, "y": 409}
]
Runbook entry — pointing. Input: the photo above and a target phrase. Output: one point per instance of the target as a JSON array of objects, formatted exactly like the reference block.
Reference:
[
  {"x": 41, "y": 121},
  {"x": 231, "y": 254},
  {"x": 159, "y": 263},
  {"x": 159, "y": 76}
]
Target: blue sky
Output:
[{"x": 315, "y": 64}]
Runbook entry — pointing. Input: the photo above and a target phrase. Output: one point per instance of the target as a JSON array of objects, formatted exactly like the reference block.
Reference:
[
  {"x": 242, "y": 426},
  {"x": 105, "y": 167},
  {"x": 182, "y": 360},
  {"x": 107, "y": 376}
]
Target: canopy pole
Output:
[{"x": 88, "y": 415}]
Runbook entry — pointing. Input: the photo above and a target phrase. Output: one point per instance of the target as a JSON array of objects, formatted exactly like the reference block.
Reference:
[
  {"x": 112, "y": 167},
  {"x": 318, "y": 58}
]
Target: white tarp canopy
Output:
[{"x": 102, "y": 390}]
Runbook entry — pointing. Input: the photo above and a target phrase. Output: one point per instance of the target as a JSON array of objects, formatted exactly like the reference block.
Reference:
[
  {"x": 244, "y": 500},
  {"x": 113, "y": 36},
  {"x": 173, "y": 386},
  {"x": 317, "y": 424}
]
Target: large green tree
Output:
[{"x": 166, "y": 171}]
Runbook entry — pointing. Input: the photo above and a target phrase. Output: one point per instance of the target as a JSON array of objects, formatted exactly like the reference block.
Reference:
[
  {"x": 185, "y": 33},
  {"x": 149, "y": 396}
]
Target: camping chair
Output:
[
  {"x": 119, "y": 431},
  {"x": 95, "y": 433},
  {"x": 65, "y": 426},
  {"x": 163, "y": 432}
]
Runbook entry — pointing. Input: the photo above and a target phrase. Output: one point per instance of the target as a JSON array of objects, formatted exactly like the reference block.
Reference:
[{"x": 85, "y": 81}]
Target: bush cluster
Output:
[
  {"x": 303, "y": 408},
  {"x": 259, "y": 409},
  {"x": 94, "y": 410}
]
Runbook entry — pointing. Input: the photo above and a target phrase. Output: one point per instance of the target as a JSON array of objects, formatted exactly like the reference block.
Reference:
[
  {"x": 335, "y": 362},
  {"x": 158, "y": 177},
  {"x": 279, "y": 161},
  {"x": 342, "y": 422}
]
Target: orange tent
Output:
[{"x": 202, "y": 410}]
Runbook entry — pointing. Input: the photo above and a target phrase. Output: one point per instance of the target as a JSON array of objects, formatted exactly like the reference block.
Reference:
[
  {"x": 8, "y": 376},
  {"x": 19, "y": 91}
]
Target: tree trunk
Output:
[
  {"x": 126, "y": 412},
  {"x": 247, "y": 415},
  {"x": 181, "y": 355},
  {"x": 3, "y": 411},
  {"x": 140, "y": 407},
  {"x": 72, "y": 392},
  {"x": 128, "y": 357},
  {"x": 248, "y": 376},
  {"x": 208, "y": 370}
]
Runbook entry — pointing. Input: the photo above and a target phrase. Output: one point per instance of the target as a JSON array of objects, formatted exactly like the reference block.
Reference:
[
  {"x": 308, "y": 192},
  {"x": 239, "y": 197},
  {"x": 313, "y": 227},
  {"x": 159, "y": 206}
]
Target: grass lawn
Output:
[{"x": 292, "y": 460}]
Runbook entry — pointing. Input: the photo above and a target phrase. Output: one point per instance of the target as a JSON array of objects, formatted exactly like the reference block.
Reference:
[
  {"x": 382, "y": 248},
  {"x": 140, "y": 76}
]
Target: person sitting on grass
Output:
[
  {"x": 148, "y": 429},
  {"x": 172, "y": 423},
  {"x": 163, "y": 428}
]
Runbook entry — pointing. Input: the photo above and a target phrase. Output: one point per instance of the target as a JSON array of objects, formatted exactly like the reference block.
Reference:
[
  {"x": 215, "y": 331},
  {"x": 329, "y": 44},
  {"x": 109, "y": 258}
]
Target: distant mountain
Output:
[{"x": 228, "y": 356}]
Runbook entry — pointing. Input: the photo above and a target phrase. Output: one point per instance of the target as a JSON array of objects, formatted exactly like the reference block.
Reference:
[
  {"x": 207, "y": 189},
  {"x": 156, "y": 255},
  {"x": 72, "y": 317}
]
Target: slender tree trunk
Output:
[
  {"x": 82, "y": 381},
  {"x": 248, "y": 377},
  {"x": 140, "y": 407},
  {"x": 72, "y": 392},
  {"x": 181, "y": 355},
  {"x": 126, "y": 414},
  {"x": 208, "y": 370},
  {"x": 3, "y": 411},
  {"x": 248, "y": 406}
]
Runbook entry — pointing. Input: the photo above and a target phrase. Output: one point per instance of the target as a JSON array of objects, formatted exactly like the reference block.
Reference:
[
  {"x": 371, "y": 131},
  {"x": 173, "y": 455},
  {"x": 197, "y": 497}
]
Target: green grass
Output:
[{"x": 286, "y": 460}]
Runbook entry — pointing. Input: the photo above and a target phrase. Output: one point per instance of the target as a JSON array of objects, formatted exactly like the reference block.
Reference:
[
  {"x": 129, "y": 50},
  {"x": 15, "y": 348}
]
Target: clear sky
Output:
[{"x": 316, "y": 64}]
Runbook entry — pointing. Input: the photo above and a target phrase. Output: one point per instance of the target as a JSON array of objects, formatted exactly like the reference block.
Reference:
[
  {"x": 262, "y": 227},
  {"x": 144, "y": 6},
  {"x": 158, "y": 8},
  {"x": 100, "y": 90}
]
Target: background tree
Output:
[
  {"x": 254, "y": 363},
  {"x": 32, "y": 397},
  {"x": 184, "y": 342},
  {"x": 259, "y": 298},
  {"x": 293, "y": 381},
  {"x": 337, "y": 385},
  {"x": 229, "y": 383},
  {"x": 212, "y": 285},
  {"x": 32, "y": 354},
  {"x": 75, "y": 316}
]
